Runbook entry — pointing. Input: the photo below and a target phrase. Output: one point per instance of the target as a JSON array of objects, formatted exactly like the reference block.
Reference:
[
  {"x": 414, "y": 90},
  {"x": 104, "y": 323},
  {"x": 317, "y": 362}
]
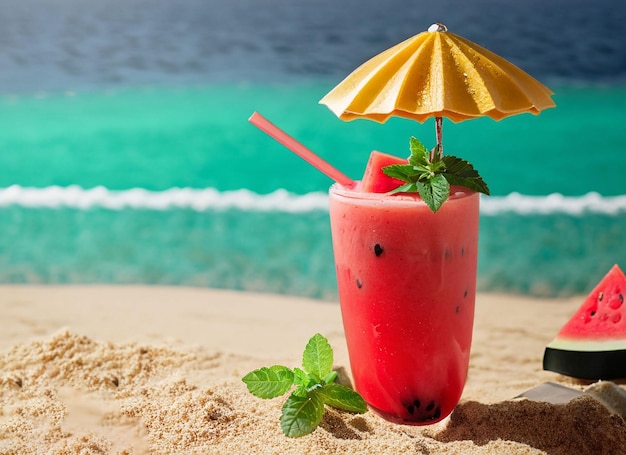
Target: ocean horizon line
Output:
[{"x": 280, "y": 200}]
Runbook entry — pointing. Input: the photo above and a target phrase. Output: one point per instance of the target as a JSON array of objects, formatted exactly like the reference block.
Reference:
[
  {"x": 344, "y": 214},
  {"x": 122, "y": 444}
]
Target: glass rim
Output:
[{"x": 337, "y": 190}]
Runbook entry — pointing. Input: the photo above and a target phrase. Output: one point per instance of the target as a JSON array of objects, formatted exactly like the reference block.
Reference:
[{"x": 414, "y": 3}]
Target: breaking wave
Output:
[{"x": 76, "y": 197}]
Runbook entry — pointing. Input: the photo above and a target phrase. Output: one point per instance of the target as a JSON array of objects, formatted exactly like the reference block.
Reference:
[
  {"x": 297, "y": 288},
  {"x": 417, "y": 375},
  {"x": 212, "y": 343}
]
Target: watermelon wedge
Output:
[
  {"x": 374, "y": 179},
  {"x": 592, "y": 344}
]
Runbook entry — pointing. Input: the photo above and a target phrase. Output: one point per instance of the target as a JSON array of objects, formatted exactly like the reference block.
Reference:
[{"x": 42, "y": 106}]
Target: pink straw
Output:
[{"x": 307, "y": 155}]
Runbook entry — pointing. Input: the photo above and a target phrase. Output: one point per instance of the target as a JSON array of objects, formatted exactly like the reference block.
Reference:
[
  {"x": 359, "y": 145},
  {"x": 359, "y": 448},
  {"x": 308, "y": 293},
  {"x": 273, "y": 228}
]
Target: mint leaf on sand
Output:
[
  {"x": 342, "y": 397},
  {"x": 318, "y": 357},
  {"x": 432, "y": 174},
  {"x": 301, "y": 415},
  {"x": 269, "y": 382},
  {"x": 314, "y": 387}
]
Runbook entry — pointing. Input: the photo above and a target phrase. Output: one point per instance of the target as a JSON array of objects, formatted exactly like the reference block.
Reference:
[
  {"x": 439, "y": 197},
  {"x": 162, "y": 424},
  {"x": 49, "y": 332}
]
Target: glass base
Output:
[{"x": 415, "y": 415}]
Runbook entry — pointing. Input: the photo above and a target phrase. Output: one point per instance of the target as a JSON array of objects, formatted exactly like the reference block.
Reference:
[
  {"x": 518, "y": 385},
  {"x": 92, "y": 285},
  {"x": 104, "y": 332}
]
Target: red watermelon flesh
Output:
[
  {"x": 374, "y": 179},
  {"x": 592, "y": 344},
  {"x": 602, "y": 316}
]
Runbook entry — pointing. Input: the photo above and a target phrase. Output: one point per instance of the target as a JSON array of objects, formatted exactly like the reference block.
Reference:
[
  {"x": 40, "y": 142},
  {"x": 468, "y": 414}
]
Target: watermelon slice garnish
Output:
[
  {"x": 374, "y": 179},
  {"x": 592, "y": 344}
]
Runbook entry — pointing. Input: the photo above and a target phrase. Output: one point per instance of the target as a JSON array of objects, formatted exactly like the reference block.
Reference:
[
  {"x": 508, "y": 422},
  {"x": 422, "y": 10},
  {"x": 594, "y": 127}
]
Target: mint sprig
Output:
[
  {"x": 432, "y": 174},
  {"x": 315, "y": 387}
]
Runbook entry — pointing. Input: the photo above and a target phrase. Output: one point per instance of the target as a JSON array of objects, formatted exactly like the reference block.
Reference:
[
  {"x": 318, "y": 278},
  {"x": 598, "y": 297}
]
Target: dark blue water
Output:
[{"x": 57, "y": 45}]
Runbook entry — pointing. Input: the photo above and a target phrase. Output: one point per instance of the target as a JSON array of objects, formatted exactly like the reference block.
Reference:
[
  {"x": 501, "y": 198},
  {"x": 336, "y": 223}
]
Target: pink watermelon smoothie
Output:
[{"x": 407, "y": 283}]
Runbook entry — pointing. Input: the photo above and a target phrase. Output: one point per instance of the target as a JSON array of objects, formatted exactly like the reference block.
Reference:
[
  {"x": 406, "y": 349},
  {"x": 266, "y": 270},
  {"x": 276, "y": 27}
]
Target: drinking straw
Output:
[{"x": 307, "y": 155}]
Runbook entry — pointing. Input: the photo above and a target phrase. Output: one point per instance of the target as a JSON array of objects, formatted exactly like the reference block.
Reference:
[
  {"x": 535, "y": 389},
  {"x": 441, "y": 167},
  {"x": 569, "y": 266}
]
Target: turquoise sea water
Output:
[
  {"x": 157, "y": 138},
  {"x": 126, "y": 155},
  {"x": 65, "y": 147}
]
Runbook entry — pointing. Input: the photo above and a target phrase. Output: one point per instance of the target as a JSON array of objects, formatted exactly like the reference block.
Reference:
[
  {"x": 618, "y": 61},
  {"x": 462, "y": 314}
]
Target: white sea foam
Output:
[
  {"x": 553, "y": 204},
  {"x": 138, "y": 198},
  {"x": 280, "y": 200}
]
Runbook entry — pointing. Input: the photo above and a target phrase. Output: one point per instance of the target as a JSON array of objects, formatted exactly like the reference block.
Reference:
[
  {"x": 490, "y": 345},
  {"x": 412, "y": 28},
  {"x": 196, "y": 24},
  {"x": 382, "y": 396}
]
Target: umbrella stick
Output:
[{"x": 438, "y": 132}]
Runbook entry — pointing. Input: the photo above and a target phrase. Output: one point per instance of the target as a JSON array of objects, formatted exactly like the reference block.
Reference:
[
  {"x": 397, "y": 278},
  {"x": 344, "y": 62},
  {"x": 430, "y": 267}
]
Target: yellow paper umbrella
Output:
[{"x": 437, "y": 74}]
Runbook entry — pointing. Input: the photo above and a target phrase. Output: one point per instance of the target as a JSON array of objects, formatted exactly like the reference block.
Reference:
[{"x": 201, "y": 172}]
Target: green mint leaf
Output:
[
  {"x": 300, "y": 391},
  {"x": 419, "y": 153},
  {"x": 301, "y": 415},
  {"x": 404, "y": 172},
  {"x": 460, "y": 172},
  {"x": 342, "y": 397},
  {"x": 474, "y": 184},
  {"x": 300, "y": 377},
  {"x": 421, "y": 170},
  {"x": 437, "y": 167},
  {"x": 434, "y": 192},
  {"x": 432, "y": 178},
  {"x": 408, "y": 188},
  {"x": 318, "y": 357},
  {"x": 304, "y": 382},
  {"x": 459, "y": 167},
  {"x": 314, "y": 385},
  {"x": 436, "y": 154},
  {"x": 269, "y": 382},
  {"x": 330, "y": 377}
]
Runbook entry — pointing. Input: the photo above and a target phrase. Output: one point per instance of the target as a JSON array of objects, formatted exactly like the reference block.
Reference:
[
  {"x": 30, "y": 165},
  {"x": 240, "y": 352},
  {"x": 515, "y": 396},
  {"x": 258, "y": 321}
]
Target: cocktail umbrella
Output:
[{"x": 437, "y": 74}]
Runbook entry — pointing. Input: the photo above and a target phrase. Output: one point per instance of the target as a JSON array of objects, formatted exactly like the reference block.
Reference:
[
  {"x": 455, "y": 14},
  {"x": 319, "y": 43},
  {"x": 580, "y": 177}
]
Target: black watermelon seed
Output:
[
  {"x": 458, "y": 309},
  {"x": 430, "y": 406},
  {"x": 621, "y": 298},
  {"x": 462, "y": 251},
  {"x": 437, "y": 413},
  {"x": 359, "y": 284},
  {"x": 378, "y": 250},
  {"x": 417, "y": 403},
  {"x": 600, "y": 296},
  {"x": 410, "y": 408},
  {"x": 465, "y": 294}
]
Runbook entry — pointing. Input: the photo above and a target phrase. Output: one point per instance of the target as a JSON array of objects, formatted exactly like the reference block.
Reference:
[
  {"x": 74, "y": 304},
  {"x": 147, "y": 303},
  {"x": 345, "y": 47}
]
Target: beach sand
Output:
[{"x": 138, "y": 370}]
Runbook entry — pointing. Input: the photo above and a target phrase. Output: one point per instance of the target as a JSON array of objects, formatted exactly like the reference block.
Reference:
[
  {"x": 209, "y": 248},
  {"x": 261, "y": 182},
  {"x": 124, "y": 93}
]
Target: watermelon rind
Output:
[
  {"x": 593, "y": 365},
  {"x": 587, "y": 346}
]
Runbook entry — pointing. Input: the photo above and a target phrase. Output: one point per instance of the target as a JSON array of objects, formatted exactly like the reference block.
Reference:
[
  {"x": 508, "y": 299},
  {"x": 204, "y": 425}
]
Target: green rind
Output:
[
  {"x": 594, "y": 365},
  {"x": 587, "y": 344}
]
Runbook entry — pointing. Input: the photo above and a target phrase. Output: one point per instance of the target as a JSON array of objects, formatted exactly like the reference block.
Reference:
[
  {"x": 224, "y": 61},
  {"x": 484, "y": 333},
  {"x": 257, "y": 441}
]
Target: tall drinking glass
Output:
[{"x": 407, "y": 285}]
